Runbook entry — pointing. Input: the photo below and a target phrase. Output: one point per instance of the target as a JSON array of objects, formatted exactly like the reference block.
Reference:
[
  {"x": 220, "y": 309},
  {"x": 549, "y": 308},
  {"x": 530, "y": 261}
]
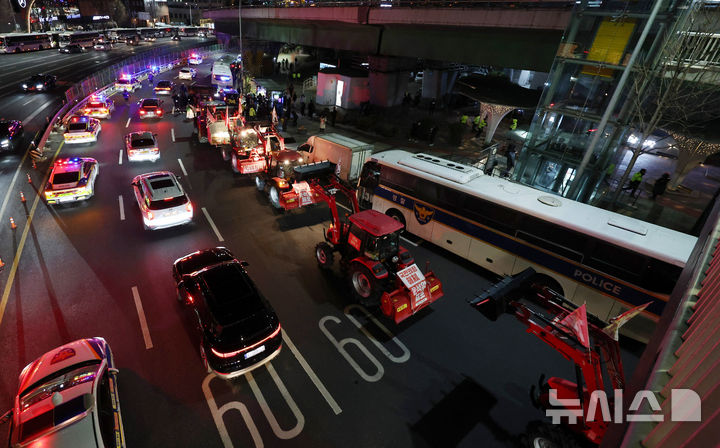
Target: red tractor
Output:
[
  {"x": 284, "y": 179},
  {"x": 252, "y": 146},
  {"x": 380, "y": 271},
  {"x": 580, "y": 337}
]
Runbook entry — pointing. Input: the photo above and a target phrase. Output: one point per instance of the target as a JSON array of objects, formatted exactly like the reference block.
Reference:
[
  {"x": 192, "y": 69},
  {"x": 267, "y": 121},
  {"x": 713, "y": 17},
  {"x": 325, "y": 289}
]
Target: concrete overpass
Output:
[{"x": 518, "y": 35}]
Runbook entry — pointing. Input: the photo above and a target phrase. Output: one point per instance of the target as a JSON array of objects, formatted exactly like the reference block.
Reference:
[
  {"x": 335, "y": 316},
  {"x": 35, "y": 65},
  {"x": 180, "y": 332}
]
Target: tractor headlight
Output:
[{"x": 4, "y": 143}]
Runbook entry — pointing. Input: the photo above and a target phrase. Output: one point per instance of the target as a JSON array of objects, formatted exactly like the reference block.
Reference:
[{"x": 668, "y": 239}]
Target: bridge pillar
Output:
[
  {"x": 389, "y": 79},
  {"x": 437, "y": 83}
]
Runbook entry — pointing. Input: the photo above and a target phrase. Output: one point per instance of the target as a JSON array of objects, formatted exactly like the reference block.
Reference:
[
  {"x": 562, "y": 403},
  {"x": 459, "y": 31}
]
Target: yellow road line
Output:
[{"x": 23, "y": 238}]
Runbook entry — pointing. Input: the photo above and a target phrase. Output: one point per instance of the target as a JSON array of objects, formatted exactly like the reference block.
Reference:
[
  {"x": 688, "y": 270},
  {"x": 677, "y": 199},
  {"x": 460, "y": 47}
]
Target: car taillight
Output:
[
  {"x": 150, "y": 215},
  {"x": 235, "y": 353},
  {"x": 142, "y": 112},
  {"x": 159, "y": 112},
  {"x": 189, "y": 207}
]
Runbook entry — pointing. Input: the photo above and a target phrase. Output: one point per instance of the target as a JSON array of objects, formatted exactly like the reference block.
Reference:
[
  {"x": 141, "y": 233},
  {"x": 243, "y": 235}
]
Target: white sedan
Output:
[{"x": 187, "y": 73}]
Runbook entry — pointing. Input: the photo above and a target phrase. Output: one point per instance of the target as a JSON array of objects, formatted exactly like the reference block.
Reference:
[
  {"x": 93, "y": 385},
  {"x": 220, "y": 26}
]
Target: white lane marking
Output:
[
  {"x": 37, "y": 111},
  {"x": 54, "y": 69},
  {"x": 279, "y": 432},
  {"x": 143, "y": 321},
  {"x": 122, "y": 208},
  {"x": 311, "y": 373},
  {"x": 212, "y": 224},
  {"x": 120, "y": 157},
  {"x": 12, "y": 183},
  {"x": 217, "y": 414},
  {"x": 128, "y": 122},
  {"x": 28, "y": 101},
  {"x": 172, "y": 134},
  {"x": 182, "y": 167}
]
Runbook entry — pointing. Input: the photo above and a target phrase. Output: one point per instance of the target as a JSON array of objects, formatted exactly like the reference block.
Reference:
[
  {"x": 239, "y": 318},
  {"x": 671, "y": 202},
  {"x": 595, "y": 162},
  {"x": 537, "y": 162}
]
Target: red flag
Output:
[
  {"x": 622, "y": 319},
  {"x": 578, "y": 324}
]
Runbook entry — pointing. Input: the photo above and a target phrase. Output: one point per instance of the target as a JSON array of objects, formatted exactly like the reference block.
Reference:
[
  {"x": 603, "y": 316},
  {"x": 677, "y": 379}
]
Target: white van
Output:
[{"x": 221, "y": 75}]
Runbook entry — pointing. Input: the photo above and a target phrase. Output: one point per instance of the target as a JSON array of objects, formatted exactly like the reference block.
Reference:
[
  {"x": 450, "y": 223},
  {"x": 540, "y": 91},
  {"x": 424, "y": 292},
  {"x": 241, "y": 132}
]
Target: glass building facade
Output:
[{"x": 583, "y": 116}]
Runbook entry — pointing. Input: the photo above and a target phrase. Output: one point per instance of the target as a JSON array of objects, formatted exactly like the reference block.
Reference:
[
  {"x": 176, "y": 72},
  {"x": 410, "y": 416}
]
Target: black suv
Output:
[
  {"x": 239, "y": 330},
  {"x": 10, "y": 133},
  {"x": 39, "y": 83}
]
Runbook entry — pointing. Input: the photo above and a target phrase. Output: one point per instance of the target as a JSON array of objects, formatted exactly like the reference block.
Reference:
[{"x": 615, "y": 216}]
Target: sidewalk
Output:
[{"x": 678, "y": 210}]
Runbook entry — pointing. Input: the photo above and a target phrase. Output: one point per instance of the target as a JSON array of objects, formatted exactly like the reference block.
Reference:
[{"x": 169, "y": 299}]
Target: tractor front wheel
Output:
[
  {"x": 274, "y": 196},
  {"x": 545, "y": 435},
  {"x": 234, "y": 163},
  {"x": 364, "y": 286},
  {"x": 259, "y": 183},
  {"x": 324, "y": 255},
  {"x": 226, "y": 154}
]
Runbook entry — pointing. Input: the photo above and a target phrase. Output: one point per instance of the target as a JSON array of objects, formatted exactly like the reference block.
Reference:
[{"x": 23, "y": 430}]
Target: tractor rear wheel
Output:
[
  {"x": 365, "y": 288},
  {"x": 233, "y": 163},
  {"x": 324, "y": 255},
  {"x": 259, "y": 183},
  {"x": 541, "y": 434}
]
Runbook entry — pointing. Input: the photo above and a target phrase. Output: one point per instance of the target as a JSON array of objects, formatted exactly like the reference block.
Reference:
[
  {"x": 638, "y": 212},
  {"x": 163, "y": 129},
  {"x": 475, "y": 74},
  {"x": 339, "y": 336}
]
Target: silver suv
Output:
[{"x": 162, "y": 200}]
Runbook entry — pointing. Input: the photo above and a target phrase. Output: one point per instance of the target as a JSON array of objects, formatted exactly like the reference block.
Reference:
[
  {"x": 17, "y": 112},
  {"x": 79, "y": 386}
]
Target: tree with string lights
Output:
[{"x": 692, "y": 151}]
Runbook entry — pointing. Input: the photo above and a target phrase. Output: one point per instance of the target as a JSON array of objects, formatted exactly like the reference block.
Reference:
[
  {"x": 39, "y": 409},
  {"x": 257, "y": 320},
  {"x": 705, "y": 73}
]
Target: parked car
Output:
[{"x": 238, "y": 329}]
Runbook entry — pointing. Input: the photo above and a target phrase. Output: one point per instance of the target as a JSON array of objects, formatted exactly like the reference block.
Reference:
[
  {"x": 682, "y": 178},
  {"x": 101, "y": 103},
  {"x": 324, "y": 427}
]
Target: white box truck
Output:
[{"x": 348, "y": 153}]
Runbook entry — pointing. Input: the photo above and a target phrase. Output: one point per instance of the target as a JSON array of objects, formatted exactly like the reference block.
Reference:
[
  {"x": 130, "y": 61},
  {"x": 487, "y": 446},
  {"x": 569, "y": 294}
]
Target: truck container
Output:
[{"x": 347, "y": 153}]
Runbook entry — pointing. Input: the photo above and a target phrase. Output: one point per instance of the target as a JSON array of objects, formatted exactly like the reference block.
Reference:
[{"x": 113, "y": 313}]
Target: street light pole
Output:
[{"x": 242, "y": 58}]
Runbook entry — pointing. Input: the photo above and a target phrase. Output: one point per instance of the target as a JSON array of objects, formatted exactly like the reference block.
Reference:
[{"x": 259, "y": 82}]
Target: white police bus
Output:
[
  {"x": 610, "y": 261},
  {"x": 83, "y": 38},
  {"x": 19, "y": 42}
]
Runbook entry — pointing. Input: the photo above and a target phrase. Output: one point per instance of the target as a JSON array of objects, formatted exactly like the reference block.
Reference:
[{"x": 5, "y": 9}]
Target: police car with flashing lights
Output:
[
  {"x": 11, "y": 131},
  {"x": 98, "y": 107},
  {"x": 195, "y": 59},
  {"x": 68, "y": 398},
  {"x": 82, "y": 130},
  {"x": 71, "y": 180},
  {"x": 141, "y": 146},
  {"x": 162, "y": 200},
  {"x": 128, "y": 82}
]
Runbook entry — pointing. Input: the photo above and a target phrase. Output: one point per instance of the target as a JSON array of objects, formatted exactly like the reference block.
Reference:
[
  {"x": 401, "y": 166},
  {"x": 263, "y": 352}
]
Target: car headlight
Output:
[
  {"x": 39, "y": 86},
  {"x": 5, "y": 142},
  {"x": 24, "y": 86}
]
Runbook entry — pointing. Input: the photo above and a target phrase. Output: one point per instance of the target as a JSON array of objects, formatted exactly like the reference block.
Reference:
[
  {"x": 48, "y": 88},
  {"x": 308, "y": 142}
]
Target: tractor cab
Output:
[
  {"x": 375, "y": 235},
  {"x": 283, "y": 163}
]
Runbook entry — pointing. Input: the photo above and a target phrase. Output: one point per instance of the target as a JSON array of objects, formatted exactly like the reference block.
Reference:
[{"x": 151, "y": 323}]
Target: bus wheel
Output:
[
  {"x": 546, "y": 280},
  {"x": 396, "y": 215}
]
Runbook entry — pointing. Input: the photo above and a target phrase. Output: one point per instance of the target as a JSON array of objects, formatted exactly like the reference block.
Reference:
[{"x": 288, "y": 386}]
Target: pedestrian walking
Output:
[
  {"x": 635, "y": 182},
  {"x": 333, "y": 116},
  {"x": 464, "y": 119},
  {"x": 150, "y": 78},
  {"x": 433, "y": 133},
  {"x": 322, "y": 124},
  {"x": 311, "y": 109},
  {"x": 660, "y": 185},
  {"x": 476, "y": 123},
  {"x": 481, "y": 126},
  {"x": 510, "y": 155},
  {"x": 513, "y": 125},
  {"x": 251, "y": 112}
]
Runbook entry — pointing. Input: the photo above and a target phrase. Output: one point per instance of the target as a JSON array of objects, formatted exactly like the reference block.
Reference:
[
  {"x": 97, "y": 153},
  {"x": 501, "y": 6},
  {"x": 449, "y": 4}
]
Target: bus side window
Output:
[
  {"x": 426, "y": 191},
  {"x": 451, "y": 199},
  {"x": 403, "y": 182},
  {"x": 660, "y": 277},
  {"x": 614, "y": 260},
  {"x": 492, "y": 215}
]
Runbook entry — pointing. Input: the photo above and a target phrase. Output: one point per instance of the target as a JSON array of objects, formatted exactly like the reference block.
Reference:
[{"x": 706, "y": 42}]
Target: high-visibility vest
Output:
[
  {"x": 252, "y": 112},
  {"x": 637, "y": 177},
  {"x": 477, "y": 120},
  {"x": 482, "y": 124},
  {"x": 464, "y": 119},
  {"x": 513, "y": 126}
]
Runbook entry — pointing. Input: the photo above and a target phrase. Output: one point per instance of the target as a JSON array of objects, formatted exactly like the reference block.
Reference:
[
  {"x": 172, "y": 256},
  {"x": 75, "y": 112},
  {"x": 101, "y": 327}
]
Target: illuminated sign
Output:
[{"x": 101, "y": 17}]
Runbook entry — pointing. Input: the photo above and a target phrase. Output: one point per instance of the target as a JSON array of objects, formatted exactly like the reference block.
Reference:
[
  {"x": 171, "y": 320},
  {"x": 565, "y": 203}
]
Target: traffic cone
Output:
[
  {"x": 22, "y": 197},
  {"x": 34, "y": 165},
  {"x": 29, "y": 180},
  {"x": 12, "y": 223},
  {"x": 2, "y": 264}
]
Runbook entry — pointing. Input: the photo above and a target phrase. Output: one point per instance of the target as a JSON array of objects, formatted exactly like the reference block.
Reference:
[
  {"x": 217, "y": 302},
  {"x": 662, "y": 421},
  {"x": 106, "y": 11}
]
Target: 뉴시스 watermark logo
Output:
[{"x": 684, "y": 407}]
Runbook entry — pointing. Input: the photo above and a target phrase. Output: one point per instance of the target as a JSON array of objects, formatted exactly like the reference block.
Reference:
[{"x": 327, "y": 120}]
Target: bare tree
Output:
[
  {"x": 691, "y": 152},
  {"x": 676, "y": 89}
]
